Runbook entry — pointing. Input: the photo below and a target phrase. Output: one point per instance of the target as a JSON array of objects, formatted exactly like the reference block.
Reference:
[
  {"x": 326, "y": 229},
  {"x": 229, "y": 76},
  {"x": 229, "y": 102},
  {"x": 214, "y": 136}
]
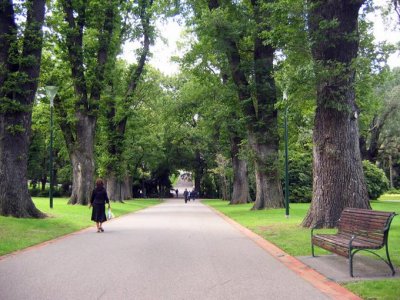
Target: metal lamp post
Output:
[
  {"x": 51, "y": 92},
  {"x": 285, "y": 98}
]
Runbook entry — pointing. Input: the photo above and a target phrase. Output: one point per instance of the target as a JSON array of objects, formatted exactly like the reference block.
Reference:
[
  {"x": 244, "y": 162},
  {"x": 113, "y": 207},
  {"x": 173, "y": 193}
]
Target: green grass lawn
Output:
[
  {"x": 288, "y": 235},
  {"x": 16, "y": 234}
]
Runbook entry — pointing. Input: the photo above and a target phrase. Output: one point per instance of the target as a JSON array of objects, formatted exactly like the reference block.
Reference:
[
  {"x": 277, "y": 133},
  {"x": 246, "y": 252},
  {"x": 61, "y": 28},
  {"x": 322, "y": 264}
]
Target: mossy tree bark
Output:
[
  {"x": 80, "y": 136},
  {"x": 20, "y": 58},
  {"x": 338, "y": 175}
]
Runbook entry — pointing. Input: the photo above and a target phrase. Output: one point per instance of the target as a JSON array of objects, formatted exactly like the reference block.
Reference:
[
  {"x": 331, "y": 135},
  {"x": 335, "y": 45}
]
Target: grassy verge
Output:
[
  {"x": 16, "y": 234},
  {"x": 389, "y": 197},
  {"x": 288, "y": 235}
]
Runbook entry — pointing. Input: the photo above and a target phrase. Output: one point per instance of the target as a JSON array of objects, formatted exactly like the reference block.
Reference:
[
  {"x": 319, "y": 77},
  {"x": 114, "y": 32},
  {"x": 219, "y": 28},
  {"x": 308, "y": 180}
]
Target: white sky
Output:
[
  {"x": 161, "y": 51},
  {"x": 387, "y": 30},
  {"x": 171, "y": 31}
]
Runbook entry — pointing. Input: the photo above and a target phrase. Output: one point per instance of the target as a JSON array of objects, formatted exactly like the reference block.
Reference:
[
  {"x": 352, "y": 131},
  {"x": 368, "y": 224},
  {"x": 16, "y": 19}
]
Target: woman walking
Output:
[{"x": 98, "y": 202}]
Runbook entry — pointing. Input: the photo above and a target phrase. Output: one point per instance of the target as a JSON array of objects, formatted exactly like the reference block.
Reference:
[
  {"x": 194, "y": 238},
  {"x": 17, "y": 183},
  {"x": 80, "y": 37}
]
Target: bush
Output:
[
  {"x": 377, "y": 182},
  {"x": 34, "y": 192},
  {"x": 300, "y": 177},
  {"x": 393, "y": 191},
  {"x": 46, "y": 193}
]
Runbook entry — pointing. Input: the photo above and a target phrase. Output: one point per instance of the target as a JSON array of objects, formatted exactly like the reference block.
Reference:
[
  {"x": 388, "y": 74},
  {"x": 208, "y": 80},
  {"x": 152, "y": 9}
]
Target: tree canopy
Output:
[{"x": 221, "y": 118}]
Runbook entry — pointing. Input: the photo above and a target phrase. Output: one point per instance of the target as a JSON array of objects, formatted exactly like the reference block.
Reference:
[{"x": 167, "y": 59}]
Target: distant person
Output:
[
  {"x": 193, "y": 195},
  {"x": 98, "y": 202},
  {"x": 186, "y": 195},
  {"x": 176, "y": 192}
]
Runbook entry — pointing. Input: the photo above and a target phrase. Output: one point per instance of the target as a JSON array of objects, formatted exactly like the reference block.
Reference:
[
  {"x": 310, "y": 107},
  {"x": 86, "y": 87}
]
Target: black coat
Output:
[
  {"x": 98, "y": 201},
  {"x": 99, "y": 196}
]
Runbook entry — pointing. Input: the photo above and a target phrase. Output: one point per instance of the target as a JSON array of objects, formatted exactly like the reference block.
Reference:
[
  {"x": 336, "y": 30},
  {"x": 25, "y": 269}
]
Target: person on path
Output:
[
  {"x": 186, "y": 195},
  {"x": 98, "y": 202},
  {"x": 176, "y": 192},
  {"x": 193, "y": 194}
]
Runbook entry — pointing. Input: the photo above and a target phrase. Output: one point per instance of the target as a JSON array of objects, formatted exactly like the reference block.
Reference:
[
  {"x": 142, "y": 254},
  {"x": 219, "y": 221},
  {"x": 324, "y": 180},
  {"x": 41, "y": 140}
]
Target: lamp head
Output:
[{"x": 51, "y": 92}]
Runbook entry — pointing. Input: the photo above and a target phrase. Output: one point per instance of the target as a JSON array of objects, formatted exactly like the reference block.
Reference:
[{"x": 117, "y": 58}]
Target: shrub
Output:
[
  {"x": 300, "y": 177},
  {"x": 46, "y": 193},
  {"x": 393, "y": 191},
  {"x": 377, "y": 182}
]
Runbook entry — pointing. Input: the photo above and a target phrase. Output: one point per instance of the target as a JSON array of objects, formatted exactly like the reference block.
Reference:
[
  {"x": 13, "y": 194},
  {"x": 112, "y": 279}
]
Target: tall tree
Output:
[
  {"x": 20, "y": 56},
  {"x": 338, "y": 175},
  {"x": 259, "y": 108},
  {"x": 222, "y": 111},
  {"x": 93, "y": 23},
  {"x": 119, "y": 185}
]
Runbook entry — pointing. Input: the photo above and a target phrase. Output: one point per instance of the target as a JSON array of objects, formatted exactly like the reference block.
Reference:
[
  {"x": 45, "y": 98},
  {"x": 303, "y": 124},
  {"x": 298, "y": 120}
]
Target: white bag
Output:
[{"x": 110, "y": 215}]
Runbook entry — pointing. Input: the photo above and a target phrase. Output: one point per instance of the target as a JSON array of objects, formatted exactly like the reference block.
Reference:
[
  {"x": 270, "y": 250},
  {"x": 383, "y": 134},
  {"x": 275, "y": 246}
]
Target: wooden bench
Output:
[{"x": 358, "y": 229}]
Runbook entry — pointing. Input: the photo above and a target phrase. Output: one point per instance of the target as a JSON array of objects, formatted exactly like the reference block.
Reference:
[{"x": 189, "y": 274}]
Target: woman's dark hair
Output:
[{"x": 99, "y": 183}]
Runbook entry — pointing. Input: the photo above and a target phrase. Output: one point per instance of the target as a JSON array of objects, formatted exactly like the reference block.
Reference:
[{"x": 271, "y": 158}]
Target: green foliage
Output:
[
  {"x": 390, "y": 196},
  {"x": 300, "y": 177},
  {"x": 393, "y": 191},
  {"x": 46, "y": 192},
  {"x": 15, "y": 129},
  {"x": 377, "y": 182}
]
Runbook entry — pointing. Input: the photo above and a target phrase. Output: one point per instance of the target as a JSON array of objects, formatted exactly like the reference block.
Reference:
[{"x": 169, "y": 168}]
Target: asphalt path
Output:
[{"x": 169, "y": 251}]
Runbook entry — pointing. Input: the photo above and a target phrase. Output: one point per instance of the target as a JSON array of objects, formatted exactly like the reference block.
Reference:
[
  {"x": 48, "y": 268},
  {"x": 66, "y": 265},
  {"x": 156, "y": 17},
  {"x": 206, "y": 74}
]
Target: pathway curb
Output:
[{"x": 324, "y": 284}]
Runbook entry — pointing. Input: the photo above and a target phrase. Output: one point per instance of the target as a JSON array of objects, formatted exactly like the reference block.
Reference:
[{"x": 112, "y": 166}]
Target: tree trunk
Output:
[
  {"x": 391, "y": 171},
  {"x": 197, "y": 181},
  {"x": 14, "y": 195},
  {"x": 269, "y": 192},
  {"x": 113, "y": 188},
  {"x": 240, "y": 193},
  {"x": 82, "y": 160},
  {"x": 118, "y": 190},
  {"x": 127, "y": 188},
  {"x": 198, "y": 172},
  {"x": 338, "y": 175},
  {"x": 224, "y": 188},
  {"x": 43, "y": 182},
  {"x": 20, "y": 67}
]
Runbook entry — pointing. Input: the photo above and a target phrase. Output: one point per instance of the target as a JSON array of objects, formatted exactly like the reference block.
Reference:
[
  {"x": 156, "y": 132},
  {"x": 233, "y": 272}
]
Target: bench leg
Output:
[
  {"x": 351, "y": 262},
  {"x": 389, "y": 261},
  {"x": 312, "y": 245}
]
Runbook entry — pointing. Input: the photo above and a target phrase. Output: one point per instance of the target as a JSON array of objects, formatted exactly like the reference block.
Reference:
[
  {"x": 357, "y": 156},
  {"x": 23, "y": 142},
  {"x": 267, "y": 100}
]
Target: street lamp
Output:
[
  {"x": 51, "y": 92},
  {"x": 285, "y": 98}
]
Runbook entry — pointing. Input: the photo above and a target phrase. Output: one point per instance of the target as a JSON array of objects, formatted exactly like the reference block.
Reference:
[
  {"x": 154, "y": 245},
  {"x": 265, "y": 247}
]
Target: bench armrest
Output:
[
  {"x": 353, "y": 237},
  {"x": 390, "y": 221}
]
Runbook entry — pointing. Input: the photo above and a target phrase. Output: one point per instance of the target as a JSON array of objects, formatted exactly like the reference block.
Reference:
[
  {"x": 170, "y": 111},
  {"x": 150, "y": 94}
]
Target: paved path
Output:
[{"x": 170, "y": 251}]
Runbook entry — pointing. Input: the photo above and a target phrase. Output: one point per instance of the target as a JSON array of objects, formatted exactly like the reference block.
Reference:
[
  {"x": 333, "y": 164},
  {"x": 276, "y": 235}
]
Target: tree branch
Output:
[
  {"x": 8, "y": 37},
  {"x": 32, "y": 48},
  {"x": 75, "y": 50},
  {"x": 66, "y": 128},
  {"x": 103, "y": 54}
]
